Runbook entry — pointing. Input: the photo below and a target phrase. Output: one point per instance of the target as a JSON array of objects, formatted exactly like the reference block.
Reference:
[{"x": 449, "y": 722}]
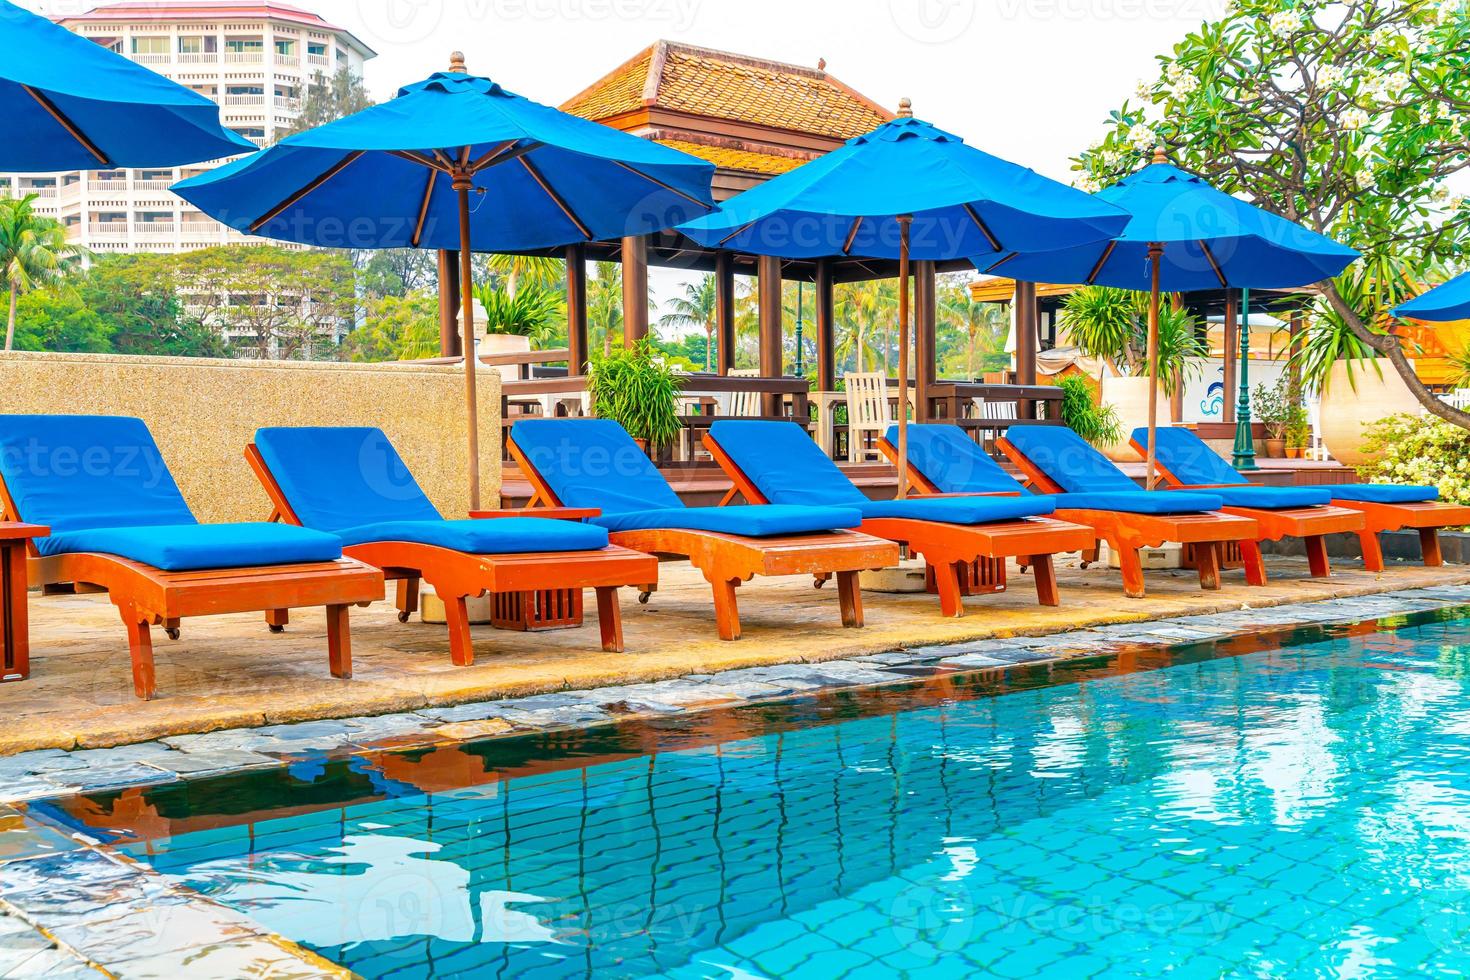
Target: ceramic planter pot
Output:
[
  {"x": 505, "y": 343},
  {"x": 1130, "y": 397},
  {"x": 1275, "y": 448},
  {"x": 1349, "y": 405}
]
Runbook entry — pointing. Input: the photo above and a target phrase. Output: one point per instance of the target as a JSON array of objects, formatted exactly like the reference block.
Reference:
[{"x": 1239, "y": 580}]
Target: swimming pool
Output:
[{"x": 1301, "y": 809}]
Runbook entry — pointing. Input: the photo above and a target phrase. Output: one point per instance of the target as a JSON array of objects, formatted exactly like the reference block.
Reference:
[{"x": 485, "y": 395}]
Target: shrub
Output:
[
  {"x": 634, "y": 387},
  {"x": 1098, "y": 424},
  {"x": 1421, "y": 450}
]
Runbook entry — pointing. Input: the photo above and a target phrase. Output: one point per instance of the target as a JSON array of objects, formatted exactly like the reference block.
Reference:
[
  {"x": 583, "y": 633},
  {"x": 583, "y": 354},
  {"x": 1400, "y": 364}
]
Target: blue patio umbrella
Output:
[
  {"x": 1182, "y": 235},
  {"x": 1445, "y": 302},
  {"x": 70, "y": 104},
  {"x": 456, "y": 162},
  {"x": 907, "y": 190}
]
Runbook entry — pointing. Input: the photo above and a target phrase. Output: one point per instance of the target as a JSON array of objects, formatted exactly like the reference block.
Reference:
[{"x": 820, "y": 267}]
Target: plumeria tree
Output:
[{"x": 1352, "y": 118}]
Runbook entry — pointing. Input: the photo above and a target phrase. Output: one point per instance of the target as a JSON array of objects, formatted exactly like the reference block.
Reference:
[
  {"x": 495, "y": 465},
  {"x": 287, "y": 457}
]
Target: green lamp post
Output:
[
  {"x": 799, "y": 371},
  {"x": 1243, "y": 456}
]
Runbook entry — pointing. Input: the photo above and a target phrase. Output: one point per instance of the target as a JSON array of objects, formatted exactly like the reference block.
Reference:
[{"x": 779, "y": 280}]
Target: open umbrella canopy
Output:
[
  {"x": 963, "y": 201},
  {"x": 70, "y": 104},
  {"x": 1211, "y": 240},
  {"x": 384, "y": 177},
  {"x": 1445, "y": 302}
]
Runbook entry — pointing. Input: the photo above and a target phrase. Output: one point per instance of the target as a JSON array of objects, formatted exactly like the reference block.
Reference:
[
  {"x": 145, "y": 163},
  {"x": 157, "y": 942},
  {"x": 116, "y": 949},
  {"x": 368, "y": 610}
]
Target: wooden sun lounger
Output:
[
  {"x": 146, "y": 596},
  {"x": 1308, "y": 523},
  {"x": 952, "y": 551},
  {"x": 457, "y": 576},
  {"x": 1126, "y": 533},
  {"x": 727, "y": 560}
]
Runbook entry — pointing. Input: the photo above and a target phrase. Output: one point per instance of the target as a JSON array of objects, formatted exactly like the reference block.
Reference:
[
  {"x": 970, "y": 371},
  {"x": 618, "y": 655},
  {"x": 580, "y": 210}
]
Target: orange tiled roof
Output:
[
  {"x": 729, "y": 158},
  {"x": 720, "y": 85}
]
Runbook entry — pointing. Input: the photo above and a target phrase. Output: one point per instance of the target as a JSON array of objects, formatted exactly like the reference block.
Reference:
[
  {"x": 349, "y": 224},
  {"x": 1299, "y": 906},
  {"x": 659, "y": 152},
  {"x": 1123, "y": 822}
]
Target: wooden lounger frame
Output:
[
  {"x": 1126, "y": 533},
  {"x": 727, "y": 560},
  {"x": 951, "y": 549},
  {"x": 457, "y": 576},
  {"x": 146, "y": 596},
  {"x": 1427, "y": 517}
]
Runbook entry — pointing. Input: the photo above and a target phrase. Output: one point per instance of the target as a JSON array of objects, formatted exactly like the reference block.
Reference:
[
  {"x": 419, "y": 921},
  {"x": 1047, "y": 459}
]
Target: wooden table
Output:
[
  {"x": 947, "y": 399},
  {"x": 15, "y": 639}
]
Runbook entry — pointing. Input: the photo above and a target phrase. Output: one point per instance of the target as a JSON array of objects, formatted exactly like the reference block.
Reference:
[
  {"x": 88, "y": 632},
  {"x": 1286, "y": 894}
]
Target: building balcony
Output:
[
  {"x": 152, "y": 59},
  {"x": 242, "y": 100},
  {"x": 288, "y": 60},
  {"x": 318, "y": 60},
  {"x": 106, "y": 186},
  {"x": 112, "y": 228},
  {"x": 155, "y": 228},
  {"x": 199, "y": 58},
  {"x": 289, "y": 104},
  {"x": 153, "y": 185},
  {"x": 244, "y": 57}
]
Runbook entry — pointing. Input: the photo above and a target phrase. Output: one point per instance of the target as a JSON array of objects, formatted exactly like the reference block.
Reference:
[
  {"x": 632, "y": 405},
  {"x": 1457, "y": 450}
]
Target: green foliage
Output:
[
  {"x": 970, "y": 336},
  {"x": 397, "y": 271},
  {"x": 1113, "y": 324},
  {"x": 33, "y": 253},
  {"x": 1098, "y": 424},
  {"x": 534, "y": 311},
  {"x": 695, "y": 308},
  {"x": 329, "y": 98},
  {"x": 636, "y": 388},
  {"x": 1419, "y": 450},
  {"x": 397, "y": 328},
  {"x": 1280, "y": 410},
  {"x": 56, "y": 319},
  {"x": 135, "y": 297}
]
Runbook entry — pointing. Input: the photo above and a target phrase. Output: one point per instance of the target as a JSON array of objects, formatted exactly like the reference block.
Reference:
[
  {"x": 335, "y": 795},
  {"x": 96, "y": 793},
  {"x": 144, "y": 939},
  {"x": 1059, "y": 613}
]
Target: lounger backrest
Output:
[
  {"x": 593, "y": 463},
  {"x": 785, "y": 465},
  {"x": 1186, "y": 456},
  {"x": 341, "y": 477},
  {"x": 76, "y": 472},
  {"x": 952, "y": 461},
  {"x": 1066, "y": 457}
]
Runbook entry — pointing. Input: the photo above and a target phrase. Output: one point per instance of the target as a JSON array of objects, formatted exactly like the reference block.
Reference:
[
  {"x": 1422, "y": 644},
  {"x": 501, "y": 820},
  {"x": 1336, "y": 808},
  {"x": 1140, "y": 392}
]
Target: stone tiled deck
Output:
[
  {"x": 71, "y": 909},
  {"x": 229, "y": 672}
]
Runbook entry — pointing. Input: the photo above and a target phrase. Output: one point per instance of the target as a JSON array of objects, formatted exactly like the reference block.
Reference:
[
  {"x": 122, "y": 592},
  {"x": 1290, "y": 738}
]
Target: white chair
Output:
[
  {"x": 745, "y": 404},
  {"x": 868, "y": 415},
  {"x": 994, "y": 410}
]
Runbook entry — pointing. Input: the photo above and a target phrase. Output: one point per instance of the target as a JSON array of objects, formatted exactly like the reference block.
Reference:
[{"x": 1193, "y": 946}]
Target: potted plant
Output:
[
  {"x": 1298, "y": 431},
  {"x": 634, "y": 387},
  {"x": 1098, "y": 424},
  {"x": 1269, "y": 407},
  {"x": 515, "y": 322}
]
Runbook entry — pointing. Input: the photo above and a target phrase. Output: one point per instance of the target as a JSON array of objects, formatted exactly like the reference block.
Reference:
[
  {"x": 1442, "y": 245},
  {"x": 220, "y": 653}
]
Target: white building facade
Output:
[{"x": 255, "y": 59}]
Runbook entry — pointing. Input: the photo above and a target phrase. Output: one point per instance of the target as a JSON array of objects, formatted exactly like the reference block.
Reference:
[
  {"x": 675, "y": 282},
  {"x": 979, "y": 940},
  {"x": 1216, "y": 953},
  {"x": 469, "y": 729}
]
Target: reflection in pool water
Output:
[{"x": 1292, "y": 811}]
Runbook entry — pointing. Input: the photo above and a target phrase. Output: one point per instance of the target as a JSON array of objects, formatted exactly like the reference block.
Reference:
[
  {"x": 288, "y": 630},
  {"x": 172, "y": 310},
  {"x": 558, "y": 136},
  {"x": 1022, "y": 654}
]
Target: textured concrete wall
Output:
[{"x": 203, "y": 412}]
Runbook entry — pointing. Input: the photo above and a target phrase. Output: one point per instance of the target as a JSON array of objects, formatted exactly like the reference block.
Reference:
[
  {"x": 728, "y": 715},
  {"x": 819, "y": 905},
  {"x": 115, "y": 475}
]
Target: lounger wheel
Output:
[
  {"x": 403, "y": 615},
  {"x": 172, "y": 632},
  {"x": 276, "y": 629},
  {"x": 643, "y": 598}
]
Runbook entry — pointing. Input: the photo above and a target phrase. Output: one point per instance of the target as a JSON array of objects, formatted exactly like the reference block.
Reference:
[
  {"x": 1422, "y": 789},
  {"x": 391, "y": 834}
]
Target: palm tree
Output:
[
  {"x": 696, "y": 308},
  {"x": 984, "y": 324},
  {"x": 865, "y": 309},
  {"x": 605, "y": 301},
  {"x": 33, "y": 252},
  {"x": 537, "y": 269}
]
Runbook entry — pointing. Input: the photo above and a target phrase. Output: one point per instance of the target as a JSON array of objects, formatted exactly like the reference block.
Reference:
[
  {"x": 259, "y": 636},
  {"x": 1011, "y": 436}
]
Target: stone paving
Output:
[
  {"x": 71, "y": 909},
  {"x": 227, "y": 672}
]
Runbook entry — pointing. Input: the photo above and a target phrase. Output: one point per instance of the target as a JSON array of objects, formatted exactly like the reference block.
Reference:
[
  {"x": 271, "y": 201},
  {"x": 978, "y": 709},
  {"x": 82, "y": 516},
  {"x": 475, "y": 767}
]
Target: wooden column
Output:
[
  {"x": 826, "y": 329},
  {"x": 1294, "y": 366},
  {"x": 449, "y": 343},
  {"x": 769, "y": 300},
  {"x": 635, "y": 289},
  {"x": 577, "y": 309},
  {"x": 725, "y": 311},
  {"x": 1026, "y": 313},
  {"x": 1232, "y": 352},
  {"x": 926, "y": 314}
]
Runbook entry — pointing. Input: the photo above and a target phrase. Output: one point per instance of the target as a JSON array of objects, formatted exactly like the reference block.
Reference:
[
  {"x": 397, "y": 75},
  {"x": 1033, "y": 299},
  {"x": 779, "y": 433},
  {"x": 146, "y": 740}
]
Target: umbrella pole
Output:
[
  {"x": 461, "y": 186},
  {"x": 904, "y": 221},
  {"x": 1155, "y": 254}
]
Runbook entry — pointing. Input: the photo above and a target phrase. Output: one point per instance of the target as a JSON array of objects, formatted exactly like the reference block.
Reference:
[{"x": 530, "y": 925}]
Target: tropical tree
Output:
[
  {"x": 33, "y": 252},
  {"x": 536, "y": 270},
  {"x": 396, "y": 328},
  {"x": 535, "y": 312},
  {"x": 56, "y": 319},
  {"x": 329, "y": 98},
  {"x": 695, "y": 308},
  {"x": 863, "y": 311},
  {"x": 605, "y": 304},
  {"x": 1348, "y": 117},
  {"x": 984, "y": 327}
]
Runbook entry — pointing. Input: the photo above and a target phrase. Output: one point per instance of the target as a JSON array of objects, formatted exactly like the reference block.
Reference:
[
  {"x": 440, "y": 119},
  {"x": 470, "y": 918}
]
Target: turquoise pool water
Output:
[{"x": 1301, "y": 811}]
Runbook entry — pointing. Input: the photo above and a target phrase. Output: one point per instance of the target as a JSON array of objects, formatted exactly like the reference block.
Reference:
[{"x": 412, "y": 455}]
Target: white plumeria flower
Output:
[
  {"x": 1285, "y": 23},
  {"x": 1142, "y": 136},
  {"x": 1366, "y": 180},
  {"x": 1330, "y": 76},
  {"x": 1143, "y": 91},
  {"x": 1354, "y": 118}
]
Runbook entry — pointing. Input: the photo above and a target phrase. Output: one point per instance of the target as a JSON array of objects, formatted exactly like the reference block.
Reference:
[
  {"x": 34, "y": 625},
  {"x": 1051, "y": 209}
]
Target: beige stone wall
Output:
[{"x": 203, "y": 412}]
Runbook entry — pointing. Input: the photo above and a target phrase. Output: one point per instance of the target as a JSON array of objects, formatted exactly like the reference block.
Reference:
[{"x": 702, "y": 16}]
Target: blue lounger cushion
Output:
[
  {"x": 501, "y": 536},
  {"x": 751, "y": 521},
  {"x": 952, "y": 461},
  {"x": 194, "y": 547},
  {"x": 337, "y": 477},
  {"x": 1067, "y": 459},
  {"x": 1272, "y": 498},
  {"x": 101, "y": 485},
  {"x": 787, "y": 467},
  {"x": 1382, "y": 493},
  {"x": 1185, "y": 455},
  {"x": 1158, "y": 502},
  {"x": 594, "y": 463}
]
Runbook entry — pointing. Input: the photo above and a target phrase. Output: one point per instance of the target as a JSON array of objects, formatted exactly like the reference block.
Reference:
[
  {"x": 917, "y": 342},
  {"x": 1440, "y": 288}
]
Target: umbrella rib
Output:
[
  {"x": 1102, "y": 260},
  {"x": 984, "y": 228},
  {"x": 996, "y": 265},
  {"x": 318, "y": 181},
  {"x": 736, "y": 232},
  {"x": 852, "y": 235},
  {"x": 1215, "y": 266},
  {"x": 503, "y": 154},
  {"x": 444, "y": 159},
  {"x": 65, "y": 122},
  {"x": 412, "y": 156},
  {"x": 654, "y": 180},
  {"x": 566, "y": 208},
  {"x": 418, "y": 229}
]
